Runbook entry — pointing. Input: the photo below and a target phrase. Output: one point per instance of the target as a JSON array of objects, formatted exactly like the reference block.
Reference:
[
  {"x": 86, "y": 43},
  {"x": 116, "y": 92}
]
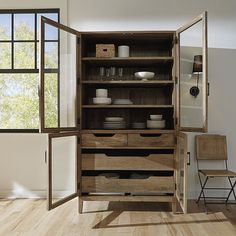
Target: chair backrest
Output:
[{"x": 211, "y": 147}]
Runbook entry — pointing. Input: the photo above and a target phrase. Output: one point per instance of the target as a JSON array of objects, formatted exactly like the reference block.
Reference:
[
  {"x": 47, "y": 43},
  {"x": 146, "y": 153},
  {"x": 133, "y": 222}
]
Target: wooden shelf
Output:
[
  {"x": 127, "y": 106},
  {"x": 130, "y": 131},
  {"x": 135, "y": 83},
  {"x": 127, "y": 147},
  {"x": 129, "y": 60}
]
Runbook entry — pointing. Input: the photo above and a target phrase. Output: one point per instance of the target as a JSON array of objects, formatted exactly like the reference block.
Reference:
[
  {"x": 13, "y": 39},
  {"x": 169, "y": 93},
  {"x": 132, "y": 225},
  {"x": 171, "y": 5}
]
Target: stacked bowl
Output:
[
  {"x": 101, "y": 97},
  {"x": 156, "y": 122}
]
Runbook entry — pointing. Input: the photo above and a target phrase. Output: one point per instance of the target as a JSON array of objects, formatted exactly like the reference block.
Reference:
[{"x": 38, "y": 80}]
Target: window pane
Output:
[
  {"x": 5, "y": 26},
  {"x": 51, "y": 55},
  {"x": 24, "y": 26},
  {"x": 24, "y": 55},
  {"x": 5, "y": 55},
  {"x": 51, "y": 100},
  {"x": 51, "y": 33},
  {"x": 19, "y": 102}
]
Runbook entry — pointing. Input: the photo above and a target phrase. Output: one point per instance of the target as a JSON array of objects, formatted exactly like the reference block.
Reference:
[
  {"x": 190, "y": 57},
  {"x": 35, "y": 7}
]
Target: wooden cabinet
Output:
[{"x": 147, "y": 163}]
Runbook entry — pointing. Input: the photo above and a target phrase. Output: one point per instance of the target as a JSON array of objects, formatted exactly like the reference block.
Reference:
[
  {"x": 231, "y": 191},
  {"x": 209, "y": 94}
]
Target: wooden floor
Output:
[{"x": 30, "y": 218}]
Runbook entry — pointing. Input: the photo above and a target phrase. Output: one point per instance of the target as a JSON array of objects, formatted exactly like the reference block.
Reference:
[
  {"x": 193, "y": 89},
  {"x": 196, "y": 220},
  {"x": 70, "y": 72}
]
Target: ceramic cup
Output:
[{"x": 123, "y": 51}]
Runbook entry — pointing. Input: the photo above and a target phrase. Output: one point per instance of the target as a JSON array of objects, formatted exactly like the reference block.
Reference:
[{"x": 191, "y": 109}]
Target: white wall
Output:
[
  {"x": 139, "y": 15},
  {"x": 22, "y": 166}
]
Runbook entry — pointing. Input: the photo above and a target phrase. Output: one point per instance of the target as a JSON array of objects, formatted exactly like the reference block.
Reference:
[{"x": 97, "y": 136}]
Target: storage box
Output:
[{"x": 105, "y": 50}]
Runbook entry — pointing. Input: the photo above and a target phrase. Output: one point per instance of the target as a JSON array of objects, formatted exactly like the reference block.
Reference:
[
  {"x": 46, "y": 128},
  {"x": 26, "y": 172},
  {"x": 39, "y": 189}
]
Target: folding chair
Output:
[{"x": 213, "y": 147}]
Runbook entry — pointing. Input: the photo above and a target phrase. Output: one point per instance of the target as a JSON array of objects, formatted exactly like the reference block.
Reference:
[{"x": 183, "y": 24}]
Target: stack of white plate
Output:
[
  {"x": 138, "y": 125},
  {"x": 101, "y": 97},
  {"x": 122, "y": 102},
  {"x": 114, "y": 123},
  {"x": 156, "y": 122}
]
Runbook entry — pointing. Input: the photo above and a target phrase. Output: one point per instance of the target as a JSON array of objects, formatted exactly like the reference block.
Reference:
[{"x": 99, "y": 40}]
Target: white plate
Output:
[
  {"x": 113, "y": 119},
  {"x": 101, "y": 101},
  {"x": 122, "y": 102}
]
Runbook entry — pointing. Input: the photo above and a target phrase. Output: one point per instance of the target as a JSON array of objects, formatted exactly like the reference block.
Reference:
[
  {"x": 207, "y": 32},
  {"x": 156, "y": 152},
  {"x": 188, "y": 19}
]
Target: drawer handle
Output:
[
  {"x": 150, "y": 135},
  {"x": 104, "y": 135}
]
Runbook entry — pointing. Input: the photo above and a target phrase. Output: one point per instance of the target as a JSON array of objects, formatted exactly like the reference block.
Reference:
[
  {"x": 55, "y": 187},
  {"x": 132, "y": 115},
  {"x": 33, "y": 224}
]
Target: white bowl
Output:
[
  {"x": 101, "y": 93},
  {"x": 156, "y": 124},
  {"x": 144, "y": 75},
  {"x": 156, "y": 117},
  {"x": 102, "y": 101},
  {"x": 113, "y": 119}
]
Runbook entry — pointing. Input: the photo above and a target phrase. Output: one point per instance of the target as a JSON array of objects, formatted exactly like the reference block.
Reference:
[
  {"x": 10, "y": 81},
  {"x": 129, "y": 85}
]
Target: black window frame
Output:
[{"x": 36, "y": 41}]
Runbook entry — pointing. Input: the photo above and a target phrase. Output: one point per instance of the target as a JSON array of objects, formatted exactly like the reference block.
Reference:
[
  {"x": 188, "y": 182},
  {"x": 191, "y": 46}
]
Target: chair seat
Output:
[{"x": 218, "y": 173}]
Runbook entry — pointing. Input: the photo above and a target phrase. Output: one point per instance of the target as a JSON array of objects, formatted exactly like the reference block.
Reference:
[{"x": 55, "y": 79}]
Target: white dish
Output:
[
  {"x": 113, "y": 119},
  {"x": 156, "y": 117},
  {"x": 138, "y": 125},
  {"x": 101, "y": 93},
  {"x": 156, "y": 124},
  {"x": 122, "y": 102},
  {"x": 144, "y": 75},
  {"x": 102, "y": 101}
]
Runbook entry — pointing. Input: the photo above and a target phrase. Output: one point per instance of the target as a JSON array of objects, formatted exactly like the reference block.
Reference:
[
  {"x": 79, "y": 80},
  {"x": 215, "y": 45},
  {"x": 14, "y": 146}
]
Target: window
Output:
[{"x": 19, "y": 66}]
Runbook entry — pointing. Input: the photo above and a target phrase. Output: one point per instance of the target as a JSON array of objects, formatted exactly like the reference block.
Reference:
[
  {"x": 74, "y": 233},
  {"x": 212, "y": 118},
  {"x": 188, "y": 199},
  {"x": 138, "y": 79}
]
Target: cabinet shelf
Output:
[
  {"x": 127, "y": 106},
  {"x": 130, "y": 131},
  {"x": 129, "y": 60},
  {"x": 135, "y": 83}
]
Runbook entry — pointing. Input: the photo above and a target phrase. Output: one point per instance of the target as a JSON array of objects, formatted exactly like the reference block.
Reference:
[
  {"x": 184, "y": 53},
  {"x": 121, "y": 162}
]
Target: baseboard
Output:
[{"x": 9, "y": 194}]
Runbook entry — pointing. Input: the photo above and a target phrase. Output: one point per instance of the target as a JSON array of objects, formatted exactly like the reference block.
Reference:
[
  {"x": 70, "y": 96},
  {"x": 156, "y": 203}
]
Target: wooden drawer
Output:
[
  {"x": 102, "y": 161},
  {"x": 151, "y": 140},
  {"x": 104, "y": 140},
  {"x": 101, "y": 184}
]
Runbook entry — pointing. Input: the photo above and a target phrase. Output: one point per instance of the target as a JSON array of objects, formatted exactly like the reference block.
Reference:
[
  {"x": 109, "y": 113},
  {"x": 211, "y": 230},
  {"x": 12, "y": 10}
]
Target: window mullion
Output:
[{"x": 12, "y": 41}]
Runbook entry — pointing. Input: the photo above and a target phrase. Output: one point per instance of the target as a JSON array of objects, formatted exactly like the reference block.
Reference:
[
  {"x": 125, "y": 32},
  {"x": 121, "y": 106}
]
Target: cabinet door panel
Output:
[
  {"x": 63, "y": 172},
  {"x": 59, "y": 75},
  {"x": 192, "y": 75},
  {"x": 181, "y": 171}
]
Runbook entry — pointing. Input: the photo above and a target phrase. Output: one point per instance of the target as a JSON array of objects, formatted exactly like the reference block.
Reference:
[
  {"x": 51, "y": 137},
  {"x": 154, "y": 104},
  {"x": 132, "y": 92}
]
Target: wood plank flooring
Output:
[{"x": 27, "y": 217}]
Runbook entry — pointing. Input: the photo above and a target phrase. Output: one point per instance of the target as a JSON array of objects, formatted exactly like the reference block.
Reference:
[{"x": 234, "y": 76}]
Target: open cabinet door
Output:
[
  {"x": 59, "y": 108},
  {"x": 192, "y": 88},
  {"x": 181, "y": 171},
  {"x": 63, "y": 171},
  {"x": 59, "y": 77}
]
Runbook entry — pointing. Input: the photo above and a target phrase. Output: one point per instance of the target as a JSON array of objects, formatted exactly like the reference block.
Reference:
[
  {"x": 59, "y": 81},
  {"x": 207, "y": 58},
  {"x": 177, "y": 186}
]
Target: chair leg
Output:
[
  {"x": 202, "y": 191},
  {"x": 231, "y": 190}
]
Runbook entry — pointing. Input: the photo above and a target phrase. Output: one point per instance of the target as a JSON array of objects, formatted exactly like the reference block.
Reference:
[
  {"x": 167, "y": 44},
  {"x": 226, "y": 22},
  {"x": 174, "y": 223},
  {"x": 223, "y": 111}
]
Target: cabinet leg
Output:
[
  {"x": 80, "y": 206},
  {"x": 174, "y": 205}
]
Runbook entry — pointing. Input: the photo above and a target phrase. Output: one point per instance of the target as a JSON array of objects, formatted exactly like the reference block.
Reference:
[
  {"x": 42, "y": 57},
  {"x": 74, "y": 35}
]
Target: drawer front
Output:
[
  {"x": 104, "y": 140},
  {"x": 101, "y": 184},
  {"x": 145, "y": 140},
  {"x": 102, "y": 161}
]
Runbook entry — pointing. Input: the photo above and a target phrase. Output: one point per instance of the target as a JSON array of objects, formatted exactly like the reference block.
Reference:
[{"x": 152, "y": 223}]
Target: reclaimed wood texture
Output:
[
  {"x": 116, "y": 140},
  {"x": 101, "y": 161},
  {"x": 162, "y": 140},
  {"x": 101, "y": 184},
  {"x": 211, "y": 147}
]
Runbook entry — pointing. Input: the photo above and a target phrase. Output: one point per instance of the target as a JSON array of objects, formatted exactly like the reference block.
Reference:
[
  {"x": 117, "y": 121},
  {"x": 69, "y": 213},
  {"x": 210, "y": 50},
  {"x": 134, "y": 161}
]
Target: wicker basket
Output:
[{"x": 105, "y": 50}]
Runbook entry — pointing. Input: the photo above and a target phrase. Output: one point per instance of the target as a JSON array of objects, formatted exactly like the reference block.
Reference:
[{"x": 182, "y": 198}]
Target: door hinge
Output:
[
  {"x": 175, "y": 40},
  {"x": 176, "y": 120},
  {"x": 175, "y": 186},
  {"x": 78, "y": 140},
  {"x": 176, "y": 80}
]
